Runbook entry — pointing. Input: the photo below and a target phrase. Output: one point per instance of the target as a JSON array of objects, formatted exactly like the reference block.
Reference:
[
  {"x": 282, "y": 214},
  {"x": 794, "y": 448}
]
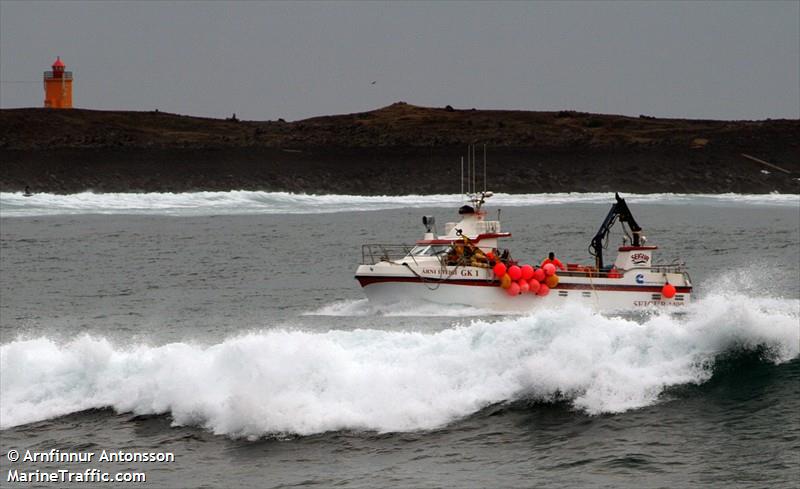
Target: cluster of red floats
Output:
[{"x": 518, "y": 280}]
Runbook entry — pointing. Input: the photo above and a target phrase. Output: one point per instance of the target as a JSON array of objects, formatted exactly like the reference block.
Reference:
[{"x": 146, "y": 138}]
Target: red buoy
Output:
[
  {"x": 668, "y": 291},
  {"x": 527, "y": 272},
  {"x": 513, "y": 290},
  {"x": 523, "y": 286},
  {"x": 534, "y": 285},
  {"x": 538, "y": 275},
  {"x": 499, "y": 270},
  {"x": 515, "y": 272},
  {"x": 543, "y": 290},
  {"x": 549, "y": 269}
]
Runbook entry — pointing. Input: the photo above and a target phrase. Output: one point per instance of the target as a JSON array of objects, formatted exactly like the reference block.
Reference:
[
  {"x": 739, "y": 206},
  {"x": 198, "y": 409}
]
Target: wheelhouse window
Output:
[{"x": 428, "y": 250}]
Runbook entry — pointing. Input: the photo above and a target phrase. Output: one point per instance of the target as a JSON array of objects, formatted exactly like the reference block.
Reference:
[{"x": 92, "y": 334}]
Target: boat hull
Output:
[{"x": 623, "y": 294}]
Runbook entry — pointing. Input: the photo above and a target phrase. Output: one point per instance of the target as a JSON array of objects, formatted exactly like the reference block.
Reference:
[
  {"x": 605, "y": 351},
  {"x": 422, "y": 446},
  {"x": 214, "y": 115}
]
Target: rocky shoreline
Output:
[{"x": 400, "y": 149}]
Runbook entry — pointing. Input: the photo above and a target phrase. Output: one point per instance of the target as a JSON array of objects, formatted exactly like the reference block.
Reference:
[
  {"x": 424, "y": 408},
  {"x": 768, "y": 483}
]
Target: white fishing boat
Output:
[{"x": 466, "y": 265}]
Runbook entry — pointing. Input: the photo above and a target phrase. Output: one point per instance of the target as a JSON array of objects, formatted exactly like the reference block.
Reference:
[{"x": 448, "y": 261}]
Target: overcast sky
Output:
[{"x": 261, "y": 60}]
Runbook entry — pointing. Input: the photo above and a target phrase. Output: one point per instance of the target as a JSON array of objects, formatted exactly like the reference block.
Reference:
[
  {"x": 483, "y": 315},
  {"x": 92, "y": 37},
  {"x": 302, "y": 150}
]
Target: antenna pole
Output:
[
  {"x": 469, "y": 168},
  {"x": 462, "y": 175},
  {"x": 484, "y": 167},
  {"x": 474, "y": 176}
]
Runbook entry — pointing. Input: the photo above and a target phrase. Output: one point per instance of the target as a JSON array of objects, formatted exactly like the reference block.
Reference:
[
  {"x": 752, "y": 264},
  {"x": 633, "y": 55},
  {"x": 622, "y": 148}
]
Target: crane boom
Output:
[{"x": 620, "y": 211}]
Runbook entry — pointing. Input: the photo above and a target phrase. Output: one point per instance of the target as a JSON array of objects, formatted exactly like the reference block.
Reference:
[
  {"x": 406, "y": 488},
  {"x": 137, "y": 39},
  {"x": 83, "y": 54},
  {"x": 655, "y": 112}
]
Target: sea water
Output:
[{"x": 227, "y": 329}]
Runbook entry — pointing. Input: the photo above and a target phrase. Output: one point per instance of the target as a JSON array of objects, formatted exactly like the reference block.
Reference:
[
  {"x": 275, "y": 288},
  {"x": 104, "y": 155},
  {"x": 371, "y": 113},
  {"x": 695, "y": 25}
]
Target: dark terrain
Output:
[{"x": 399, "y": 149}]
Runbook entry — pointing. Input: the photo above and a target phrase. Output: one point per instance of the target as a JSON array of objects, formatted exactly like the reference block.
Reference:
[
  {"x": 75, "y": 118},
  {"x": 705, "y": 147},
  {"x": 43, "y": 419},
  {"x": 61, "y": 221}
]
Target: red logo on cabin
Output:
[{"x": 640, "y": 258}]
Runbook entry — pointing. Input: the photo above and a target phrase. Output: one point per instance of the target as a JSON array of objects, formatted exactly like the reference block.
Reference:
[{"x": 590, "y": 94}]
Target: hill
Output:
[{"x": 398, "y": 149}]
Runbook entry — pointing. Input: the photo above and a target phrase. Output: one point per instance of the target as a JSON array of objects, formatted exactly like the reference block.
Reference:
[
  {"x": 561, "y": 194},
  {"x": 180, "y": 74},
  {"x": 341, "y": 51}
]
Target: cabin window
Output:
[
  {"x": 428, "y": 250},
  {"x": 419, "y": 250}
]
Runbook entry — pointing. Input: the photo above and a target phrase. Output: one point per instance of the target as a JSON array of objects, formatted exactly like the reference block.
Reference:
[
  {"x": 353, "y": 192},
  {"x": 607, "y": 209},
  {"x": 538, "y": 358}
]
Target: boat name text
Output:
[{"x": 446, "y": 272}]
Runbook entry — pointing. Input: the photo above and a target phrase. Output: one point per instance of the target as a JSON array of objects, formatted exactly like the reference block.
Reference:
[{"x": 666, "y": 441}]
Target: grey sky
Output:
[{"x": 721, "y": 60}]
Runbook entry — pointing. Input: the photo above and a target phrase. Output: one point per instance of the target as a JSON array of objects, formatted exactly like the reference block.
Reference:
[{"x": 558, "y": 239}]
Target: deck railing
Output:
[
  {"x": 583, "y": 271},
  {"x": 376, "y": 253}
]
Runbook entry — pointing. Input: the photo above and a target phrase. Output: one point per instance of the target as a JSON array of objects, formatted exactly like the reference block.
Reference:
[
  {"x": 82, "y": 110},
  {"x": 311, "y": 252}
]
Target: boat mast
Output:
[
  {"x": 484, "y": 168},
  {"x": 462, "y": 175},
  {"x": 469, "y": 169},
  {"x": 474, "y": 177},
  {"x": 472, "y": 194}
]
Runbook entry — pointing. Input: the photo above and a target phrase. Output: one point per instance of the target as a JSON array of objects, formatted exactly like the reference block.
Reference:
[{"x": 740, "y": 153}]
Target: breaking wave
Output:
[
  {"x": 363, "y": 307},
  {"x": 253, "y": 202},
  {"x": 287, "y": 381}
]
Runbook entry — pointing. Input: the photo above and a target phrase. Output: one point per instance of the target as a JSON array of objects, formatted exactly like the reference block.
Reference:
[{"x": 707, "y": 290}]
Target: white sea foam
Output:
[
  {"x": 247, "y": 202},
  {"x": 283, "y": 381},
  {"x": 363, "y": 307}
]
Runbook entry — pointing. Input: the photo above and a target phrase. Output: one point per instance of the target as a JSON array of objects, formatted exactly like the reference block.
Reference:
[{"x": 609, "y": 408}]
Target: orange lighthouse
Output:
[{"x": 58, "y": 86}]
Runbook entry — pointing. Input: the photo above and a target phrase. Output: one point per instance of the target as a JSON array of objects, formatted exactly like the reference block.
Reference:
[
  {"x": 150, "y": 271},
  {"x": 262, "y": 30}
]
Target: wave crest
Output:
[{"x": 284, "y": 381}]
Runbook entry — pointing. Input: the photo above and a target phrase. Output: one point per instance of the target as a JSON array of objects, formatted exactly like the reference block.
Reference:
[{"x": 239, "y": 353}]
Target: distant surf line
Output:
[{"x": 241, "y": 202}]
